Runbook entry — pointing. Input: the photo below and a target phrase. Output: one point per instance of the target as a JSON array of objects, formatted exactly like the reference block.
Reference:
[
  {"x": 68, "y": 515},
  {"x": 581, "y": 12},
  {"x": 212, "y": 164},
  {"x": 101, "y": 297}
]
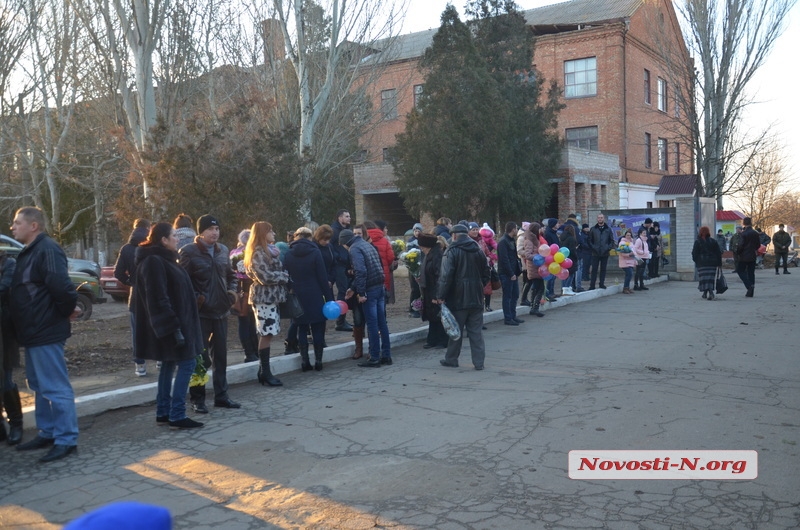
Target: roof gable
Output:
[{"x": 677, "y": 185}]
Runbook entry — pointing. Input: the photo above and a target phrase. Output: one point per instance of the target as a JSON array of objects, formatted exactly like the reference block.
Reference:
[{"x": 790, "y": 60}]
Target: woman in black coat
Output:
[
  {"x": 167, "y": 322},
  {"x": 310, "y": 284},
  {"x": 9, "y": 357},
  {"x": 428, "y": 278},
  {"x": 707, "y": 257}
]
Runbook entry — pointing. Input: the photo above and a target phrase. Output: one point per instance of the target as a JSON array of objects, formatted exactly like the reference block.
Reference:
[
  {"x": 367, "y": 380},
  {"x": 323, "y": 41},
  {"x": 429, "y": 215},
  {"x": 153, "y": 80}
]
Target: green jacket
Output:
[{"x": 782, "y": 240}]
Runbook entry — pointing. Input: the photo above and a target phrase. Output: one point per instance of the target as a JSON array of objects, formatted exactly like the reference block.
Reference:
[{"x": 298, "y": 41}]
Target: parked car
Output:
[
  {"x": 73, "y": 264},
  {"x": 87, "y": 285},
  {"x": 115, "y": 288}
]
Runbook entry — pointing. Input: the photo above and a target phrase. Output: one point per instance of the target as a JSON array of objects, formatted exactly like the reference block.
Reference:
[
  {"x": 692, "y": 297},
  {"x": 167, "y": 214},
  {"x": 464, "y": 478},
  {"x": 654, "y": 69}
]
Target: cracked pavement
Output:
[{"x": 417, "y": 445}]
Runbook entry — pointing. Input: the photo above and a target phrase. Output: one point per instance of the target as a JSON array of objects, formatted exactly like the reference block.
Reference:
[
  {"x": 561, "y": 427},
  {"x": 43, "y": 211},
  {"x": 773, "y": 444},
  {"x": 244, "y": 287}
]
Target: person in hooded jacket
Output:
[
  {"x": 533, "y": 240},
  {"x": 377, "y": 235},
  {"x": 184, "y": 229},
  {"x": 306, "y": 268},
  {"x": 125, "y": 273},
  {"x": 167, "y": 322},
  {"x": 430, "y": 268},
  {"x": 464, "y": 273}
]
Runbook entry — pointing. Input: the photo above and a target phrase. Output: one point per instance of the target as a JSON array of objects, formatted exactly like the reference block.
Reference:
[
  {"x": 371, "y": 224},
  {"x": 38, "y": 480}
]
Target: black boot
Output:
[
  {"x": 535, "y": 309},
  {"x": 342, "y": 324},
  {"x": 318, "y": 348},
  {"x": 291, "y": 347},
  {"x": 265, "y": 376},
  {"x": 13, "y": 406},
  {"x": 305, "y": 364}
]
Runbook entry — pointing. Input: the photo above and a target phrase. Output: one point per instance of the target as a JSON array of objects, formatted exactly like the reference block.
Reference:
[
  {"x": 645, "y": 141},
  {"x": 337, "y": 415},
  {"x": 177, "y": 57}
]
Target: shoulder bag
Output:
[
  {"x": 722, "y": 284},
  {"x": 291, "y": 308}
]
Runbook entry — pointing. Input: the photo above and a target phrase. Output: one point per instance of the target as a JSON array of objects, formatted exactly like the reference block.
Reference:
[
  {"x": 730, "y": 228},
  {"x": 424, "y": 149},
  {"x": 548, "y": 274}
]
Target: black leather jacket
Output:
[
  {"x": 42, "y": 295},
  {"x": 212, "y": 278},
  {"x": 464, "y": 273}
]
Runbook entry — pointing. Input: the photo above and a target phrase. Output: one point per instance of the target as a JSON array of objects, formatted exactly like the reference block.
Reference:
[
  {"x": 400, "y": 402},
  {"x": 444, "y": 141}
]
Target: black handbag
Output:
[
  {"x": 290, "y": 308},
  {"x": 722, "y": 283}
]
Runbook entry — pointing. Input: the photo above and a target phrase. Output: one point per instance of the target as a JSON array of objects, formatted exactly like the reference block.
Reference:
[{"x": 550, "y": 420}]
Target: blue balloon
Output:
[
  {"x": 565, "y": 251},
  {"x": 331, "y": 310},
  {"x": 538, "y": 260}
]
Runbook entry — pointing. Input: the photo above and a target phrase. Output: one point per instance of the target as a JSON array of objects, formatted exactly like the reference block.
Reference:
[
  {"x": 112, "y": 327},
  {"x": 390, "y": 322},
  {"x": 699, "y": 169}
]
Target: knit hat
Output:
[
  {"x": 552, "y": 222},
  {"x": 585, "y": 225},
  {"x": 427, "y": 240},
  {"x": 525, "y": 225},
  {"x": 204, "y": 222},
  {"x": 346, "y": 237},
  {"x": 459, "y": 229},
  {"x": 648, "y": 221},
  {"x": 418, "y": 226},
  {"x": 487, "y": 227},
  {"x": 472, "y": 225}
]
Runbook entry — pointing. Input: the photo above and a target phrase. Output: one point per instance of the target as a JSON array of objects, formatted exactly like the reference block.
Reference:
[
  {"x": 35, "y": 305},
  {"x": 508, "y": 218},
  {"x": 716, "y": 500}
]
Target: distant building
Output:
[{"x": 621, "y": 127}]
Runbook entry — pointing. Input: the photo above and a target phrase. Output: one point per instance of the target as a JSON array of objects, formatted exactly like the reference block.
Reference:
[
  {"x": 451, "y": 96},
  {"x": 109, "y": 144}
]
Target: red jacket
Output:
[{"x": 386, "y": 253}]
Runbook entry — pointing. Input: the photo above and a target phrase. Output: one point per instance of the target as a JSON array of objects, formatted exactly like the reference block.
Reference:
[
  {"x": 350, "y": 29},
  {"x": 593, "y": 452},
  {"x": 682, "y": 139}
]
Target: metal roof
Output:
[
  {"x": 571, "y": 13},
  {"x": 729, "y": 215},
  {"x": 677, "y": 185}
]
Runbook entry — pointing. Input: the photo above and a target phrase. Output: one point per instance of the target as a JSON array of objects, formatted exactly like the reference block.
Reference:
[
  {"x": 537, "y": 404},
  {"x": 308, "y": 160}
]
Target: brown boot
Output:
[{"x": 358, "y": 335}]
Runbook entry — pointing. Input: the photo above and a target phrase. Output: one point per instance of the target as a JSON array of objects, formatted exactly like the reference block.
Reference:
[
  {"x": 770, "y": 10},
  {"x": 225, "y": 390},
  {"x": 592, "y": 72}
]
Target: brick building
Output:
[{"x": 609, "y": 58}]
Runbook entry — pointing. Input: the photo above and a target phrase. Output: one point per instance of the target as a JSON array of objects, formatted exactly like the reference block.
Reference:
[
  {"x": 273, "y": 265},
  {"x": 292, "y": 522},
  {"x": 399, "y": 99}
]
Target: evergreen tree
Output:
[{"x": 524, "y": 151}]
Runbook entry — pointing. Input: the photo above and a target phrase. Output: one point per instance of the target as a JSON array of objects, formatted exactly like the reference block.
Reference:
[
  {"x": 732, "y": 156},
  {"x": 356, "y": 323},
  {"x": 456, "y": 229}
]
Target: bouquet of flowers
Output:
[
  {"x": 416, "y": 304},
  {"x": 398, "y": 247},
  {"x": 624, "y": 248},
  {"x": 411, "y": 259},
  {"x": 200, "y": 374}
]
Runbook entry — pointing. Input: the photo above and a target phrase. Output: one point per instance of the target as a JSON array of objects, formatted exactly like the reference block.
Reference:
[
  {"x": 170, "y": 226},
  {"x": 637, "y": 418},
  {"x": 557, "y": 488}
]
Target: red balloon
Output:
[
  {"x": 342, "y": 307},
  {"x": 549, "y": 259},
  {"x": 567, "y": 263},
  {"x": 554, "y": 248}
]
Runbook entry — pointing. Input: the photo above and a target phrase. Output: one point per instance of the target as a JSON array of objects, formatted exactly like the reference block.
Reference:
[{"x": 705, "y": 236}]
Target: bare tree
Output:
[
  {"x": 765, "y": 183},
  {"x": 327, "y": 45},
  {"x": 729, "y": 41}
]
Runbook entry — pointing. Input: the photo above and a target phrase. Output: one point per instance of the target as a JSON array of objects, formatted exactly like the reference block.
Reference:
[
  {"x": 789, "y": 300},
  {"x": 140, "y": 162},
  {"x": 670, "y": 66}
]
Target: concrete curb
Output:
[{"x": 246, "y": 372}]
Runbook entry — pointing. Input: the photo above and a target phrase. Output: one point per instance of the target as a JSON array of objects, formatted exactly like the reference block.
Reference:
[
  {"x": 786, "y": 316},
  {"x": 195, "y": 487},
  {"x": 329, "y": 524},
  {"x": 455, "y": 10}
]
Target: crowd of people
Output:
[{"x": 185, "y": 283}]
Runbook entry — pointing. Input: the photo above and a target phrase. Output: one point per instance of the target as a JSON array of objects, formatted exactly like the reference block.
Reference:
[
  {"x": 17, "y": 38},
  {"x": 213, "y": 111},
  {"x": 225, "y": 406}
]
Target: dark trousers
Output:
[
  {"x": 247, "y": 333},
  {"x": 785, "y": 257},
  {"x": 510, "y": 296},
  {"x": 317, "y": 333},
  {"x": 639, "y": 278},
  {"x": 602, "y": 263},
  {"x": 341, "y": 281},
  {"x": 747, "y": 272},
  {"x": 654, "y": 263},
  {"x": 215, "y": 336},
  {"x": 415, "y": 292},
  {"x": 437, "y": 336}
]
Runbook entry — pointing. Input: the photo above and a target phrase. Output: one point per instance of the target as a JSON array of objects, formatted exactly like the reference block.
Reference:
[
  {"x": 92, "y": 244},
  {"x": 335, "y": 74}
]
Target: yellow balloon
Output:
[
  {"x": 554, "y": 268},
  {"x": 558, "y": 257}
]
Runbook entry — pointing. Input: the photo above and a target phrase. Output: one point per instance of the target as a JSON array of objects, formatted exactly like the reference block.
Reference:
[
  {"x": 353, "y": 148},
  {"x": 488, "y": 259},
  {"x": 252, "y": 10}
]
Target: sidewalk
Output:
[{"x": 416, "y": 445}]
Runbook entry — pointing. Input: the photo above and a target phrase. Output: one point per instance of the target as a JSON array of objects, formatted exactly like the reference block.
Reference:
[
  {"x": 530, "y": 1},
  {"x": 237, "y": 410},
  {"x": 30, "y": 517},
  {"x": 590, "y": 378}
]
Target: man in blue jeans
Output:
[
  {"x": 43, "y": 300},
  {"x": 509, "y": 269},
  {"x": 368, "y": 287}
]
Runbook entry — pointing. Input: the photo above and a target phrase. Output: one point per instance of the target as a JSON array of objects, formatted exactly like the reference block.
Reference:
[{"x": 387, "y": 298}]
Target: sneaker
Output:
[
  {"x": 185, "y": 423},
  {"x": 525, "y": 303},
  {"x": 141, "y": 370},
  {"x": 158, "y": 365}
]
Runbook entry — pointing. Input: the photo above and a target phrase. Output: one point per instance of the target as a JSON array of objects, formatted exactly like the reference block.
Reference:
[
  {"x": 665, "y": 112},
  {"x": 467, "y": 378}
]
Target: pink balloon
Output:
[
  {"x": 342, "y": 307},
  {"x": 554, "y": 248},
  {"x": 549, "y": 259},
  {"x": 544, "y": 250},
  {"x": 543, "y": 271},
  {"x": 567, "y": 263},
  {"x": 563, "y": 275}
]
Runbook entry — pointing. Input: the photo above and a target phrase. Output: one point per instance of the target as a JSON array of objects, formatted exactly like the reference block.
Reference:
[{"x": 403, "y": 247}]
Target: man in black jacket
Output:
[
  {"x": 125, "y": 272},
  {"x": 601, "y": 240},
  {"x": 206, "y": 261},
  {"x": 464, "y": 273},
  {"x": 747, "y": 251},
  {"x": 509, "y": 269},
  {"x": 43, "y": 300}
]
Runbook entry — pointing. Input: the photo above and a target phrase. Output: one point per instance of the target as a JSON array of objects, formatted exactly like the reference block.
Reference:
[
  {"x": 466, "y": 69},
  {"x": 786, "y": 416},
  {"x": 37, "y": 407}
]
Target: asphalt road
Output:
[{"x": 416, "y": 445}]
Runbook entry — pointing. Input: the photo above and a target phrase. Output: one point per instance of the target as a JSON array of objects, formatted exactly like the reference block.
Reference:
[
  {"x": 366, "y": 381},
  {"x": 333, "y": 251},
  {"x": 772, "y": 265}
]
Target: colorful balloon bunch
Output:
[{"x": 553, "y": 261}]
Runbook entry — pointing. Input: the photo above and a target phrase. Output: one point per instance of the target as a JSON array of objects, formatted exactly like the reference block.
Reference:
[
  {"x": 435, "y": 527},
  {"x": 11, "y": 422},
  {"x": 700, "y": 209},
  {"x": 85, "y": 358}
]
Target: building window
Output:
[
  {"x": 418, "y": 92},
  {"x": 662, "y": 154},
  {"x": 647, "y": 86},
  {"x": 662, "y": 95},
  {"x": 649, "y": 204},
  {"x": 580, "y": 78},
  {"x": 582, "y": 138},
  {"x": 647, "y": 154},
  {"x": 388, "y": 155},
  {"x": 389, "y": 104},
  {"x": 677, "y": 158}
]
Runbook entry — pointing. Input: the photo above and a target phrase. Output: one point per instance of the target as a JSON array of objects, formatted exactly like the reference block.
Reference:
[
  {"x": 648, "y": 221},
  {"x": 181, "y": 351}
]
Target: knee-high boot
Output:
[
  {"x": 265, "y": 376},
  {"x": 537, "y": 300},
  {"x": 318, "y": 349},
  {"x": 13, "y": 406},
  {"x": 358, "y": 335},
  {"x": 305, "y": 364}
]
